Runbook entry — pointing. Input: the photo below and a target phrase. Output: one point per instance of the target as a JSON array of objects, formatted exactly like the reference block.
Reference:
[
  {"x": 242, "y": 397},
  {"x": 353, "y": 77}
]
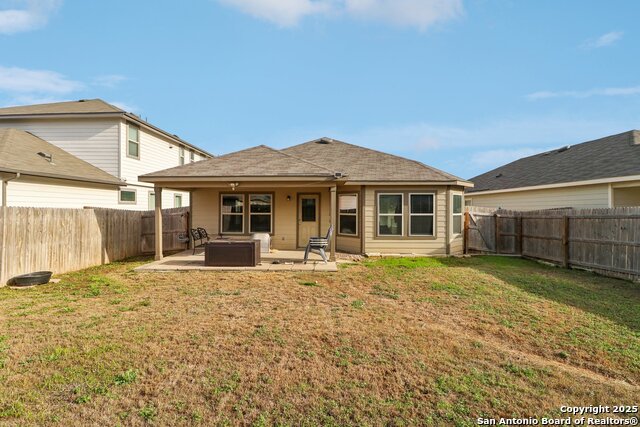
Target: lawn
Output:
[{"x": 388, "y": 342}]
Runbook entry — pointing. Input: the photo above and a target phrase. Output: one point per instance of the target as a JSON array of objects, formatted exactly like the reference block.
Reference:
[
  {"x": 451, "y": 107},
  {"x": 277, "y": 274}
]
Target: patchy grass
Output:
[{"x": 400, "y": 341}]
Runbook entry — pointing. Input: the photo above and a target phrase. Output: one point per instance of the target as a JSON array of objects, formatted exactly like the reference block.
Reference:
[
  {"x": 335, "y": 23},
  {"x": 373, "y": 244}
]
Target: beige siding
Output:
[
  {"x": 55, "y": 193},
  {"x": 420, "y": 246},
  {"x": 92, "y": 140},
  {"x": 143, "y": 202},
  {"x": 205, "y": 210},
  {"x": 588, "y": 196}
]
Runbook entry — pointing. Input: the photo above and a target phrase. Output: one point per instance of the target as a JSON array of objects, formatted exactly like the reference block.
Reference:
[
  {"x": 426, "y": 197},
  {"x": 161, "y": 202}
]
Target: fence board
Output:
[
  {"x": 62, "y": 240},
  {"x": 604, "y": 240}
]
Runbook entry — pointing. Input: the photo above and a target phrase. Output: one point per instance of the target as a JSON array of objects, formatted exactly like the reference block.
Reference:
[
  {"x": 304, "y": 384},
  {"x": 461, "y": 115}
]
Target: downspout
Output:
[{"x": 3, "y": 246}]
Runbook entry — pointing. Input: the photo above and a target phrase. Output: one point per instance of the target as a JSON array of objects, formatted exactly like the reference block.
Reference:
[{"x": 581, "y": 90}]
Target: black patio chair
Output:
[
  {"x": 318, "y": 245},
  {"x": 200, "y": 238}
]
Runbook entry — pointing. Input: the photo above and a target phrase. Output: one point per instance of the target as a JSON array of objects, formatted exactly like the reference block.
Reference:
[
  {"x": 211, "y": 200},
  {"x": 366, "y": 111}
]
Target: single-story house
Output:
[
  {"x": 380, "y": 203},
  {"x": 603, "y": 173},
  {"x": 34, "y": 172}
]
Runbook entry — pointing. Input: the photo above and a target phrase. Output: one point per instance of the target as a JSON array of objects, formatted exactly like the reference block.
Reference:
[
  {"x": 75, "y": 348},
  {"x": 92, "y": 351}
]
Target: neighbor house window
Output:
[
  {"x": 390, "y": 213},
  {"x": 260, "y": 210},
  {"x": 177, "y": 200},
  {"x": 232, "y": 212},
  {"x": 192, "y": 156},
  {"x": 152, "y": 201},
  {"x": 181, "y": 156},
  {"x": 133, "y": 145},
  {"x": 127, "y": 196},
  {"x": 348, "y": 214},
  {"x": 457, "y": 213},
  {"x": 421, "y": 214}
]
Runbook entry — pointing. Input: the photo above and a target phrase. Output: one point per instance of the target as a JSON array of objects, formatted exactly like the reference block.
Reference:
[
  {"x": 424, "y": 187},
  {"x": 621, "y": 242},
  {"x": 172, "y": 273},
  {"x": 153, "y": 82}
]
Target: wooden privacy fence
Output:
[
  {"x": 603, "y": 240},
  {"x": 62, "y": 240}
]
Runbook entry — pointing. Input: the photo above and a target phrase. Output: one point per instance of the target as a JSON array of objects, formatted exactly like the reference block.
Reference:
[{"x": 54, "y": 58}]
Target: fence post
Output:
[
  {"x": 565, "y": 241},
  {"x": 466, "y": 232},
  {"x": 520, "y": 238},
  {"x": 497, "y": 233}
]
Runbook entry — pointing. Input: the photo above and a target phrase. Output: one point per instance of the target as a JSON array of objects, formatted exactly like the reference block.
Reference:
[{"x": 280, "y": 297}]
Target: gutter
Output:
[{"x": 4, "y": 193}]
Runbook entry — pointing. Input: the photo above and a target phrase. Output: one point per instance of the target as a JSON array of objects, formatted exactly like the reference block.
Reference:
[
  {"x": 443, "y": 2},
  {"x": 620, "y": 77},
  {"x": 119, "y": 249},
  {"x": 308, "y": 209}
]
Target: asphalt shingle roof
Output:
[
  {"x": 84, "y": 106},
  {"x": 609, "y": 157},
  {"x": 322, "y": 157},
  {"x": 19, "y": 153}
]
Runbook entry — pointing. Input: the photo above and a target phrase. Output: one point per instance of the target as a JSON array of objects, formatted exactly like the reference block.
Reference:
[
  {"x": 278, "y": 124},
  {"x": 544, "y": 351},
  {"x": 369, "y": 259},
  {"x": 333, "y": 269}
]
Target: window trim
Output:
[
  {"x": 181, "y": 157},
  {"x": 177, "y": 196},
  {"x": 433, "y": 214},
  {"x": 126, "y": 202},
  {"x": 401, "y": 214},
  {"x": 129, "y": 140},
  {"x": 461, "y": 214},
  {"x": 357, "y": 214},
  {"x": 437, "y": 191},
  {"x": 192, "y": 156},
  {"x": 151, "y": 193},
  {"x": 244, "y": 209},
  {"x": 249, "y": 213}
]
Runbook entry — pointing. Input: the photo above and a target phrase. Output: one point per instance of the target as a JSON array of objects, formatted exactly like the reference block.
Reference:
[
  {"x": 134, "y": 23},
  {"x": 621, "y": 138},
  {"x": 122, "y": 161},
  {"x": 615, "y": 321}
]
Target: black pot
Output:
[{"x": 37, "y": 278}]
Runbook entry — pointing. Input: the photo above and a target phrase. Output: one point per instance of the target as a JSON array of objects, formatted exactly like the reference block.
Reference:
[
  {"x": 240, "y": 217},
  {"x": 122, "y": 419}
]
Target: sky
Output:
[{"x": 461, "y": 85}]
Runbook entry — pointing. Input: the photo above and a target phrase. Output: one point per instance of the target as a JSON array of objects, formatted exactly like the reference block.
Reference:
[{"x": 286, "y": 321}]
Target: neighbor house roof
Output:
[
  {"x": 258, "y": 162},
  {"x": 19, "y": 153},
  {"x": 326, "y": 158},
  {"x": 610, "y": 157},
  {"x": 85, "y": 107}
]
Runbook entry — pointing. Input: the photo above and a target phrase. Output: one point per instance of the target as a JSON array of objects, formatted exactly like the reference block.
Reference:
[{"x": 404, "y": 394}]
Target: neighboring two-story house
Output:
[{"x": 107, "y": 137}]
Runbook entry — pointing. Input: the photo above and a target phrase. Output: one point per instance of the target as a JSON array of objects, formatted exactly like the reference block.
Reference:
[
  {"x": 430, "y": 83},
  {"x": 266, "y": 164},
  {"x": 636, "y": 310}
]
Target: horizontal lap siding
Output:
[
  {"x": 92, "y": 140},
  {"x": 588, "y": 196},
  {"x": 437, "y": 246},
  {"x": 348, "y": 244}
]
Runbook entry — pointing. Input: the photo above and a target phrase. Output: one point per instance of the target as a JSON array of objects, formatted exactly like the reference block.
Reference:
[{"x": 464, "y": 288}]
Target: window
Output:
[
  {"x": 260, "y": 209},
  {"x": 232, "y": 213},
  {"x": 457, "y": 213},
  {"x": 181, "y": 156},
  {"x": 348, "y": 214},
  {"x": 421, "y": 214},
  {"x": 127, "y": 196},
  {"x": 152, "y": 201},
  {"x": 308, "y": 209},
  {"x": 192, "y": 156},
  {"x": 177, "y": 200},
  {"x": 390, "y": 212},
  {"x": 133, "y": 145}
]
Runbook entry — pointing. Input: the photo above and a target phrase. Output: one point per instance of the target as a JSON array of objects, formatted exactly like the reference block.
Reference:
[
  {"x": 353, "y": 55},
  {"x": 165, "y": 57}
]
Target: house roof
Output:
[
  {"x": 260, "y": 161},
  {"x": 319, "y": 158},
  {"x": 610, "y": 157},
  {"x": 19, "y": 154},
  {"x": 88, "y": 107},
  {"x": 365, "y": 164}
]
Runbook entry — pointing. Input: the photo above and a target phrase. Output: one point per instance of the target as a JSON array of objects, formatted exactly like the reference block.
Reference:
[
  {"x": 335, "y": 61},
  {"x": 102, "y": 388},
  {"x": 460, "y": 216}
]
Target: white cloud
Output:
[
  {"x": 124, "y": 106},
  {"x": 489, "y": 159},
  {"x": 109, "y": 80},
  {"x": 604, "y": 40},
  {"x": 32, "y": 15},
  {"x": 22, "y": 80},
  {"x": 611, "y": 91},
  {"x": 413, "y": 13}
]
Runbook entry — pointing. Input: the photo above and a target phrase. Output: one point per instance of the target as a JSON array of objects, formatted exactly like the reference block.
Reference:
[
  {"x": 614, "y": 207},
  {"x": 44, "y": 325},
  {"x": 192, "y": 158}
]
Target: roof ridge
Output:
[
  {"x": 301, "y": 159},
  {"x": 382, "y": 152}
]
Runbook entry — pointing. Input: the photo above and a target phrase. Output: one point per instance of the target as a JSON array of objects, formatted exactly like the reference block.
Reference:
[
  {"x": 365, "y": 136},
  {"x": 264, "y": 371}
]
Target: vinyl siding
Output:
[
  {"x": 205, "y": 211},
  {"x": 374, "y": 245},
  {"x": 588, "y": 196},
  {"x": 92, "y": 140},
  {"x": 55, "y": 193}
]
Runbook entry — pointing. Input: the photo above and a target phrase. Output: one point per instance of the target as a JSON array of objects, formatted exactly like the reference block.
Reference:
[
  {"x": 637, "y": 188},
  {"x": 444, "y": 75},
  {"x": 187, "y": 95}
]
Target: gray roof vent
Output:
[
  {"x": 563, "y": 149},
  {"x": 48, "y": 157},
  {"x": 499, "y": 175},
  {"x": 324, "y": 141}
]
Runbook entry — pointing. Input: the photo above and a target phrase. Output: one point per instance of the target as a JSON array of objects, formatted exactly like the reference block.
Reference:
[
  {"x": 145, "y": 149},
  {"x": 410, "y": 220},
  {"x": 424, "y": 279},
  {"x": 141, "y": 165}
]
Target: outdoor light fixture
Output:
[
  {"x": 288, "y": 198},
  {"x": 233, "y": 185}
]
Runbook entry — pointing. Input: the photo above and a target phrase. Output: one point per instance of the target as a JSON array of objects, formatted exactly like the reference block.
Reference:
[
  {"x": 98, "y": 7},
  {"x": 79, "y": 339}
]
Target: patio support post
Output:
[
  {"x": 334, "y": 210},
  {"x": 158, "y": 196}
]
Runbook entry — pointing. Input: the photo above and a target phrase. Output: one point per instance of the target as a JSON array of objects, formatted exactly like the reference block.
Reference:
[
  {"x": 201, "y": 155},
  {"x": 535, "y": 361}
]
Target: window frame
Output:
[
  {"x": 129, "y": 141},
  {"x": 192, "y": 156},
  {"x": 244, "y": 204},
  {"x": 128, "y": 202},
  {"x": 432, "y": 214},
  {"x": 177, "y": 196},
  {"x": 357, "y": 214},
  {"x": 151, "y": 194},
  {"x": 401, "y": 214},
  {"x": 181, "y": 156},
  {"x": 460, "y": 214},
  {"x": 249, "y": 213}
]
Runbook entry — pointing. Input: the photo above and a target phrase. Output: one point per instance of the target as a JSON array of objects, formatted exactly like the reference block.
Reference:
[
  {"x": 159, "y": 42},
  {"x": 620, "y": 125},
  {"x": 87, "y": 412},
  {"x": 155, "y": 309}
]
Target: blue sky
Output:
[{"x": 462, "y": 85}]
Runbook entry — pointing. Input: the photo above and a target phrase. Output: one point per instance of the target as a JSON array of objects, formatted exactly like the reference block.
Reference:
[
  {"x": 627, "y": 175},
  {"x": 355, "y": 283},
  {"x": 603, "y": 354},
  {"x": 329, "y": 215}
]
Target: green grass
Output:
[{"x": 398, "y": 341}]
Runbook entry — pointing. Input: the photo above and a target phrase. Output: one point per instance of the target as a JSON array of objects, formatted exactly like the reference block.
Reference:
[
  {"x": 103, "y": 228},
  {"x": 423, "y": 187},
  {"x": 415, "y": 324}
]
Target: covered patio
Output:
[{"x": 273, "y": 261}]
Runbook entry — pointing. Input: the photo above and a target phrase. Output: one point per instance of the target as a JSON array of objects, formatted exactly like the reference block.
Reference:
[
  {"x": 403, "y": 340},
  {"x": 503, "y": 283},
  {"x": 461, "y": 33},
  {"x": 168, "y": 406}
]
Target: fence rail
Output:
[
  {"x": 604, "y": 240},
  {"x": 62, "y": 240}
]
